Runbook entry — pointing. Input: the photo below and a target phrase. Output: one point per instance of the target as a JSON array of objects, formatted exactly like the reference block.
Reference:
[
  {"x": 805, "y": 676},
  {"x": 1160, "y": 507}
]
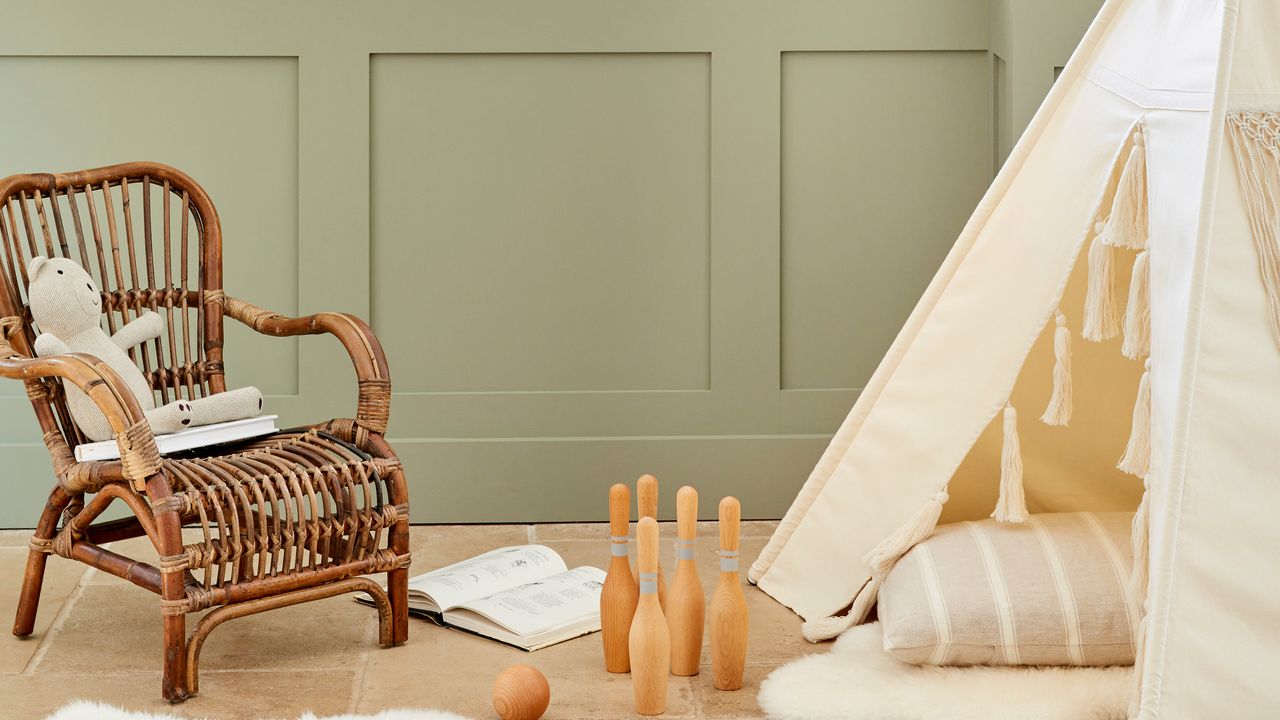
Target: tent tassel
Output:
[
  {"x": 884, "y": 556},
  {"x": 1254, "y": 137},
  {"x": 1059, "y": 410},
  {"x": 826, "y": 628},
  {"x": 881, "y": 560},
  {"x": 1100, "y": 319},
  {"x": 1127, "y": 224},
  {"x": 1012, "y": 505},
  {"x": 1137, "y": 314},
  {"x": 1137, "y": 453}
]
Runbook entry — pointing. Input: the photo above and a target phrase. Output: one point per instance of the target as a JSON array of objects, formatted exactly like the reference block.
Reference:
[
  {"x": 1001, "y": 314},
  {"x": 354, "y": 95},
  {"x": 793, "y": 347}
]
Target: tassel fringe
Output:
[
  {"x": 880, "y": 560},
  {"x": 1137, "y": 453},
  {"x": 1137, "y": 313},
  {"x": 1100, "y": 319},
  {"x": 1058, "y": 412},
  {"x": 882, "y": 557},
  {"x": 826, "y": 628},
  {"x": 1255, "y": 137},
  {"x": 1127, "y": 226},
  {"x": 1012, "y": 505}
]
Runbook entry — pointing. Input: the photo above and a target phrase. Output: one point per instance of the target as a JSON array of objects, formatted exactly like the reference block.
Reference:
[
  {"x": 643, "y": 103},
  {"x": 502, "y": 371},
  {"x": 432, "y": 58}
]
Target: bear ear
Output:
[{"x": 33, "y": 268}]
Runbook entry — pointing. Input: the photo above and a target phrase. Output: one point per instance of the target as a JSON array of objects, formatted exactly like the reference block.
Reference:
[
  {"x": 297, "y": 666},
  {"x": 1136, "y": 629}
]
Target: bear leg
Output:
[
  {"x": 245, "y": 402},
  {"x": 170, "y": 418}
]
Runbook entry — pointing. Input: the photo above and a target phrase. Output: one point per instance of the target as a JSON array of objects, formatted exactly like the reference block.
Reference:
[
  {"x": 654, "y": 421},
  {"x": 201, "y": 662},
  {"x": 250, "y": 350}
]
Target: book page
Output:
[
  {"x": 552, "y": 602},
  {"x": 487, "y": 574}
]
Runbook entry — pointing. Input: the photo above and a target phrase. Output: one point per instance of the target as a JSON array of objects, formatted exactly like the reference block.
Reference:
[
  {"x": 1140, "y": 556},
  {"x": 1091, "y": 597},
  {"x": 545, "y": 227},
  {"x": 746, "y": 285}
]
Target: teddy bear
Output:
[{"x": 67, "y": 307}]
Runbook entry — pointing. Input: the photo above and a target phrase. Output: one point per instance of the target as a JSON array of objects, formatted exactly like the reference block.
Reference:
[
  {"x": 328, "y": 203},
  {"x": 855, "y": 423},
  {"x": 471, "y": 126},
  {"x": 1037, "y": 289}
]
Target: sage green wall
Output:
[{"x": 598, "y": 238}]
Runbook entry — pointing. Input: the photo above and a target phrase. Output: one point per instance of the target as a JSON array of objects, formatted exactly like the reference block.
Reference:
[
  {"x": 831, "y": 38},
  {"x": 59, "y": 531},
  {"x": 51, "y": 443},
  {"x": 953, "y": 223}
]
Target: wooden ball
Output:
[{"x": 521, "y": 693}]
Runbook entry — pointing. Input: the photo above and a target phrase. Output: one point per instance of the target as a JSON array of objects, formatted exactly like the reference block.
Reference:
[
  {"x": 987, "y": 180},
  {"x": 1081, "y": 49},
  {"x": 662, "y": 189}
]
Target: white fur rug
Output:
[
  {"x": 84, "y": 710},
  {"x": 857, "y": 680}
]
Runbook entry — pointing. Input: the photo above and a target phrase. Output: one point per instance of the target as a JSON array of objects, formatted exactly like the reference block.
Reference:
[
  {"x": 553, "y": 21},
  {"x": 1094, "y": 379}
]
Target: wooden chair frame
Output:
[{"x": 294, "y": 517}]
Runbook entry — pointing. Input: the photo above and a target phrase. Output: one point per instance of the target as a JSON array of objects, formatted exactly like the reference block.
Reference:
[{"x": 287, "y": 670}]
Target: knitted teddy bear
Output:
[{"x": 68, "y": 308}]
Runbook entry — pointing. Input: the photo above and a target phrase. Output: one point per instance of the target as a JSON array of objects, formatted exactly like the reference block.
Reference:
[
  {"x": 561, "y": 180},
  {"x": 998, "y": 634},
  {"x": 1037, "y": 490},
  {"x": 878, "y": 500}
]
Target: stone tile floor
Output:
[{"x": 98, "y": 638}]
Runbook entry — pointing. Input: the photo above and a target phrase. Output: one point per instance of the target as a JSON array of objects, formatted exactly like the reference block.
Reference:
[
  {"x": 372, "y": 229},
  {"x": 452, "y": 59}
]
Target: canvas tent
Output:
[{"x": 1178, "y": 100}]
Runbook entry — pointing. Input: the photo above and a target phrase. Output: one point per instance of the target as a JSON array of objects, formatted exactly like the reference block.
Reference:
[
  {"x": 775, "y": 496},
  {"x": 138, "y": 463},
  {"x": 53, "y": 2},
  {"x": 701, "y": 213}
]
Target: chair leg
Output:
[
  {"x": 24, "y": 622},
  {"x": 398, "y": 579},
  {"x": 172, "y": 590},
  {"x": 174, "y": 684},
  {"x": 398, "y": 591},
  {"x": 29, "y": 599},
  {"x": 398, "y": 584}
]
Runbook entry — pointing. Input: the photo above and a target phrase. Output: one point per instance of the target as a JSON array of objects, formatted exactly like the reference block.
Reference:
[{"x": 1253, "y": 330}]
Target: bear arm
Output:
[
  {"x": 49, "y": 344},
  {"x": 146, "y": 326}
]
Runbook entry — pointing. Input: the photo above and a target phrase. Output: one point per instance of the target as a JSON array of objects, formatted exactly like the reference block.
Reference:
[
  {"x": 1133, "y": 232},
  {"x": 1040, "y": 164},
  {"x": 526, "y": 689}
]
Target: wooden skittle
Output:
[
  {"x": 728, "y": 605},
  {"x": 650, "y": 641},
  {"x": 686, "y": 605},
  {"x": 647, "y": 506},
  {"x": 620, "y": 592}
]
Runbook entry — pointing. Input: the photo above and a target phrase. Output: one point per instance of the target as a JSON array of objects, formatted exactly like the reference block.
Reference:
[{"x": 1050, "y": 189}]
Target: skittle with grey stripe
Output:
[
  {"x": 728, "y": 605},
  {"x": 650, "y": 644},
  {"x": 647, "y": 506},
  {"x": 686, "y": 605},
  {"x": 619, "y": 595}
]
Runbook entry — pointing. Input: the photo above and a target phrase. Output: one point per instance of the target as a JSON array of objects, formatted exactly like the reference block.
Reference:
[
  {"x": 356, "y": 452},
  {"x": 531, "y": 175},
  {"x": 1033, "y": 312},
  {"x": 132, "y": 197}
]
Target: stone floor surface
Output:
[{"x": 98, "y": 637}]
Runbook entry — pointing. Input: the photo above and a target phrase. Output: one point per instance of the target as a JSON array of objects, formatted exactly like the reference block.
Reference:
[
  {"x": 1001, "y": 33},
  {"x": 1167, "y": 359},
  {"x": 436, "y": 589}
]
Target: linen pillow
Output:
[{"x": 1050, "y": 591}]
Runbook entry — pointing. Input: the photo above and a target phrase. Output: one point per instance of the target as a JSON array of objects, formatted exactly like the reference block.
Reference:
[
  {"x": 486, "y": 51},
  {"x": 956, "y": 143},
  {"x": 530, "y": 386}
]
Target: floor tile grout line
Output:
[
  {"x": 55, "y": 627},
  {"x": 533, "y": 533},
  {"x": 695, "y": 695}
]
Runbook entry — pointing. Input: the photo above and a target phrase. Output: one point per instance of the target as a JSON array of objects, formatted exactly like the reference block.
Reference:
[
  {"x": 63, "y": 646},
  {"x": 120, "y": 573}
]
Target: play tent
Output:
[{"x": 1111, "y": 312}]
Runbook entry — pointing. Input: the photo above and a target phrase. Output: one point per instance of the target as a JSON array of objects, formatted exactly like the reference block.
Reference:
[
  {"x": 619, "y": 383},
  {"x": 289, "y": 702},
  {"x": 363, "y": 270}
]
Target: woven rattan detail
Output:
[
  {"x": 288, "y": 503},
  {"x": 138, "y": 454},
  {"x": 374, "y": 405},
  {"x": 59, "y": 453},
  {"x": 83, "y": 477},
  {"x": 9, "y": 325},
  {"x": 39, "y": 390},
  {"x": 73, "y": 509},
  {"x": 183, "y": 504},
  {"x": 63, "y": 540},
  {"x": 252, "y": 315}
]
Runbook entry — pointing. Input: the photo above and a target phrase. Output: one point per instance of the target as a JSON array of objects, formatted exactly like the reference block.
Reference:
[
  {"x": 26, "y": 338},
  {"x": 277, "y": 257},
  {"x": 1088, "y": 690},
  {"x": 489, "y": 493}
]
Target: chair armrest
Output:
[
  {"x": 374, "y": 378},
  {"x": 139, "y": 457}
]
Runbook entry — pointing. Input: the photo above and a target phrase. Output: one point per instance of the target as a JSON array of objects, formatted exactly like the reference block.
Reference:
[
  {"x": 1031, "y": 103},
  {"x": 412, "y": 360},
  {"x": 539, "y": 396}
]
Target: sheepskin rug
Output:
[
  {"x": 857, "y": 680},
  {"x": 84, "y": 710}
]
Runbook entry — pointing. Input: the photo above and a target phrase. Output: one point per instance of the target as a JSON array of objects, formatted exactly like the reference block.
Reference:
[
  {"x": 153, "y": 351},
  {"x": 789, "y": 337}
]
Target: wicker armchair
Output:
[{"x": 291, "y": 517}]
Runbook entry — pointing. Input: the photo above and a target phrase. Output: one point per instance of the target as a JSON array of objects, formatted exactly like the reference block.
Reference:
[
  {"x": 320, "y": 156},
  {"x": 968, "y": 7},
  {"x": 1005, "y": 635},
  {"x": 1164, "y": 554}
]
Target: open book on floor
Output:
[{"x": 523, "y": 596}]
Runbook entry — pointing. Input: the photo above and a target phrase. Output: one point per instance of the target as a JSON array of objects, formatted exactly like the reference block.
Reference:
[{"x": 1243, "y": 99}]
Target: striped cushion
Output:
[{"x": 1051, "y": 591}]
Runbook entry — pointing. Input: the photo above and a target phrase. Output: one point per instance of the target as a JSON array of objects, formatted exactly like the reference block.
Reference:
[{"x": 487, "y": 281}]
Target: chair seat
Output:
[{"x": 291, "y": 502}]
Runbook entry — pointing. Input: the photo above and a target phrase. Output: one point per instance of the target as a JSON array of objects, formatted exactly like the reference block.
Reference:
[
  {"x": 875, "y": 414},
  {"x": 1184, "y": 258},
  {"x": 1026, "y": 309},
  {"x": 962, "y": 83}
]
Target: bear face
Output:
[{"x": 63, "y": 299}]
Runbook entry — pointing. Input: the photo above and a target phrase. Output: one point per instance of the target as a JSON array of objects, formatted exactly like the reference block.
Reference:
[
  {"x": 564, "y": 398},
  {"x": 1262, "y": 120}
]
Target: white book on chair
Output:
[{"x": 200, "y": 436}]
